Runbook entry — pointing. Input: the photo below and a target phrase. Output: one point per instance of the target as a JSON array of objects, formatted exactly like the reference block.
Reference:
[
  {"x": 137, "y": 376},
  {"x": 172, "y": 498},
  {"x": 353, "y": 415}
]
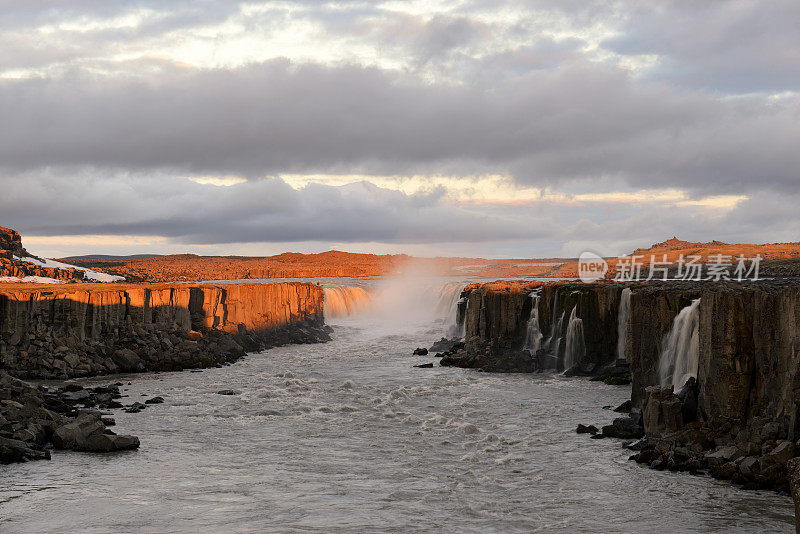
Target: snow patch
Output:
[{"x": 90, "y": 274}]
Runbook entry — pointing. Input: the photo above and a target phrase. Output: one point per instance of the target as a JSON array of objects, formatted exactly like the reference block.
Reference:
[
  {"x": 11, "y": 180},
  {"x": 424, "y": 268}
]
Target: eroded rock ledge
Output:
[{"x": 93, "y": 329}]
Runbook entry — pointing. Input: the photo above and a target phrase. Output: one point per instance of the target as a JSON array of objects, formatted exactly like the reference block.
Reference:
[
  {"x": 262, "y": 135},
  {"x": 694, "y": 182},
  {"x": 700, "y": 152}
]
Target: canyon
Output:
[
  {"x": 734, "y": 414},
  {"x": 712, "y": 367}
]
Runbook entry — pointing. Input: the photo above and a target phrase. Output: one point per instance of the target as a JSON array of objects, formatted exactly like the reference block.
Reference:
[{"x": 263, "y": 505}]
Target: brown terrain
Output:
[
  {"x": 189, "y": 267},
  {"x": 779, "y": 259}
]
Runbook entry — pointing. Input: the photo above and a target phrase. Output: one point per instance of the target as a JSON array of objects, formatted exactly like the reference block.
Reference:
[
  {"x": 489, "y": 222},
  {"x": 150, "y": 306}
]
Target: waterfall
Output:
[
  {"x": 343, "y": 301},
  {"x": 680, "y": 350},
  {"x": 576, "y": 347},
  {"x": 533, "y": 337},
  {"x": 554, "y": 339},
  {"x": 450, "y": 301},
  {"x": 622, "y": 322}
]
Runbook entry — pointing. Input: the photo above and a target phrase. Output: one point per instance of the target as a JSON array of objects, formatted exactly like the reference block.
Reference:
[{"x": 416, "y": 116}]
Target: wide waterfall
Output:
[
  {"x": 680, "y": 350},
  {"x": 533, "y": 337},
  {"x": 576, "y": 346},
  {"x": 345, "y": 300},
  {"x": 623, "y": 316}
]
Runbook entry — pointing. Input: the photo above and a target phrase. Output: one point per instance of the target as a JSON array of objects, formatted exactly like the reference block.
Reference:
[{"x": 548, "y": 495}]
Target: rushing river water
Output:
[{"x": 348, "y": 436}]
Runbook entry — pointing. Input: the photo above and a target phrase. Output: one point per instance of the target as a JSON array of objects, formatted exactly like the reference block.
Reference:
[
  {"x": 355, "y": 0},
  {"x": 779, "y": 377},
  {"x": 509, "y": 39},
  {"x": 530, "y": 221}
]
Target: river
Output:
[{"x": 348, "y": 436}]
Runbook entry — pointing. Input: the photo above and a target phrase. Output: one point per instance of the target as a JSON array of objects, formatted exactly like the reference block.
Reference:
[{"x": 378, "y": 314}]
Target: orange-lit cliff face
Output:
[{"x": 63, "y": 331}]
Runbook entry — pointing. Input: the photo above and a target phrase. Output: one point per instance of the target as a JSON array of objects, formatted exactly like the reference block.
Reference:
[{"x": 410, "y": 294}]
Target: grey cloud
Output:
[
  {"x": 258, "y": 211},
  {"x": 108, "y": 202},
  {"x": 737, "y": 46},
  {"x": 548, "y": 127}
]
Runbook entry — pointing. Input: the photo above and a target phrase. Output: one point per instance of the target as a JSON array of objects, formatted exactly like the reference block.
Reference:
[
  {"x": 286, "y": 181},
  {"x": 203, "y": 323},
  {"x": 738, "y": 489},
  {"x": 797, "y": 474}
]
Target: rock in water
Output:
[
  {"x": 420, "y": 352},
  {"x": 587, "y": 429},
  {"x": 446, "y": 345},
  {"x": 424, "y": 366},
  {"x": 109, "y": 443},
  {"x": 226, "y": 392},
  {"x": 625, "y": 407},
  {"x": 623, "y": 427},
  {"x": 14, "y": 450},
  {"x": 74, "y": 434}
]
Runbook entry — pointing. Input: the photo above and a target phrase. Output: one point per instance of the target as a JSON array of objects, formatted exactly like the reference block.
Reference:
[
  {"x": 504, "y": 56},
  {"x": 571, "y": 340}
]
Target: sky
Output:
[{"x": 535, "y": 128}]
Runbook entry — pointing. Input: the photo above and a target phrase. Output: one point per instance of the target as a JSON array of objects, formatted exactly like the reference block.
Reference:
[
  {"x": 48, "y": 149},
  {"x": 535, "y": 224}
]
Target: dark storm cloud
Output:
[{"x": 546, "y": 127}]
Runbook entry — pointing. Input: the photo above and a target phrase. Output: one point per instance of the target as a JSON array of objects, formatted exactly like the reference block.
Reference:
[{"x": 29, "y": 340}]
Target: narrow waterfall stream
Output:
[
  {"x": 623, "y": 318},
  {"x": 533, "y": 336},
  {"x": 680, "y": 350},
  {"x": 449, "y": 301},
  {"x": 576, "y": 347}
]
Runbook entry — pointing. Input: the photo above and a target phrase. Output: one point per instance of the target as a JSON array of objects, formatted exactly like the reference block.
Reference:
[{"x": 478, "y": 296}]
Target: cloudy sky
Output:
[{"x": 494, "y": 128}]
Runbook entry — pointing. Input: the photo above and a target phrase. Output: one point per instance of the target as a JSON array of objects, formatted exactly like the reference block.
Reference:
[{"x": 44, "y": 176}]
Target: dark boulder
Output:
[
  {"x": 623, "y": 427},
  {"x": 446, "y": 345},
  {"x": 14, "y": 450},
  {"x": 74, "y": 434},
  {"x": 108, "y": 443}
]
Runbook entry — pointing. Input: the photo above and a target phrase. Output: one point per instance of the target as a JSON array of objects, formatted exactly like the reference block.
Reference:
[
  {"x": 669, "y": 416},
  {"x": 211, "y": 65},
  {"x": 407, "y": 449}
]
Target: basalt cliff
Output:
[
  {"x": 91, "y": 329},
  {"x": 714, "y": 366}
]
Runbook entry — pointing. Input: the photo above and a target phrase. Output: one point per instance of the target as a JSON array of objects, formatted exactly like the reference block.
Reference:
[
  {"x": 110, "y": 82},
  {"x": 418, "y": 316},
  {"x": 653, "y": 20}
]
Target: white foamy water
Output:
[
  {"x": 349, "y": 437},
  {"x": 680, "y": 350},
  {"x": 533, "y": 332},
  {"x": 575, "y": 347}
]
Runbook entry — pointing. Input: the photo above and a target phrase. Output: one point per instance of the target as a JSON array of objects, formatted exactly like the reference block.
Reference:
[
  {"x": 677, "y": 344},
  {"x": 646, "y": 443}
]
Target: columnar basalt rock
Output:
[
  {"x": 63, "y": 332},
  {"x": 740, "y": 417},
  {"x": 496, "y": 319}
]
